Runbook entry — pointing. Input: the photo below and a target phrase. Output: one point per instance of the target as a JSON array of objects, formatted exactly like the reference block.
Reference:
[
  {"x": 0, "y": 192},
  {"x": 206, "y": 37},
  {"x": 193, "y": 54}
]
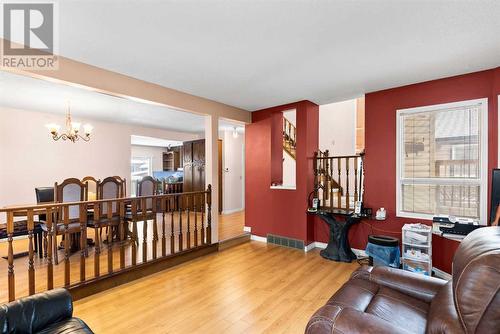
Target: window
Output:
[
  {"x": 139, "y": 167},
  {"x": 442, "y": 160}
]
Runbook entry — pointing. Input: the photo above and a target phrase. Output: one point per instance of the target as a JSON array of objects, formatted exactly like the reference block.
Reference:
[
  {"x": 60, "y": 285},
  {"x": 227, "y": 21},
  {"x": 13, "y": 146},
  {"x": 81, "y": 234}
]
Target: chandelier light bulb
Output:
[{"x": 87, "y": 129}]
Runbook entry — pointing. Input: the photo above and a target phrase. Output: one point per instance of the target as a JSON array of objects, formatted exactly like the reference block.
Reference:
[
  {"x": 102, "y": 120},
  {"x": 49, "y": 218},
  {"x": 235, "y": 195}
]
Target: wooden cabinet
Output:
[
  {"x": 172, "y": 160},
  {"x": 193, "y": 153}
]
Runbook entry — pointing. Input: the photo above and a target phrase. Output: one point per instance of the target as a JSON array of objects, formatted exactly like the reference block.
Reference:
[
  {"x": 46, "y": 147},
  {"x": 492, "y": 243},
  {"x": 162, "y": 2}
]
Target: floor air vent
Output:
[{"x": 283, "y": 241}]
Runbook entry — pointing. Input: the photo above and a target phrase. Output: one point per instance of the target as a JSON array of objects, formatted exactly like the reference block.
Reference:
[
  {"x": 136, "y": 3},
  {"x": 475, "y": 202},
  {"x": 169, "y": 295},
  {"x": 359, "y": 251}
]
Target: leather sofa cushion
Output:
[
  {"x": 399, "y": 309},
  {"x": 361, "y": 301},
  {"x": 69, "y": 326},
  {"x": 3, "y": 319},
  {"x": 33, "y": 313},
  {"x": 356, "y": 294}
]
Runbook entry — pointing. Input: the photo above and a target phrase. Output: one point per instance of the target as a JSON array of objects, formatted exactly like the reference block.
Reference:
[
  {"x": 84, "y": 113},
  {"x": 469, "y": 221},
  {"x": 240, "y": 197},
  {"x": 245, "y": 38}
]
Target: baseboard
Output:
[
  {"x": 228, "y": 212},
  {"x": 235, "y": 241},
  {"x": 258, "y": 238},
  {"x": 315, "y": 244},
  {"x": 360, "y": 253},
  {"x": 247, "y": 229}
]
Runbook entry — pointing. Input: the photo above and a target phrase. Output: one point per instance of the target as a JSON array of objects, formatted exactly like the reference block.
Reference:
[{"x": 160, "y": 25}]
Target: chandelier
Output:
[{"x": 72, "y": 131}]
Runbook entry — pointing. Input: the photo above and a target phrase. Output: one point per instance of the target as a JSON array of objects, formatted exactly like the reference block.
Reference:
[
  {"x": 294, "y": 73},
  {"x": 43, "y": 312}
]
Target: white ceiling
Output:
[
  {"x": 255, "y": 54},
  {"x": 25, "y": 93}
]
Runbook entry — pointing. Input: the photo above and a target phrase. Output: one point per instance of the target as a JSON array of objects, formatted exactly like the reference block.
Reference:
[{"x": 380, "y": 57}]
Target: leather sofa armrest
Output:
[
  {"x": 33, "y": 313},
  {"x": 335, "y": 319},
  {"x": 412, "y": 284}
]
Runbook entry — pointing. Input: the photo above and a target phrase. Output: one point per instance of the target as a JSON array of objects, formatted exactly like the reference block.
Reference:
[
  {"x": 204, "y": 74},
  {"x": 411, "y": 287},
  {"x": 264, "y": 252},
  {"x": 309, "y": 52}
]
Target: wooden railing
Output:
[
  {"x": 289, "y": 138},
  {"x": 338, "y": 180},
  {"x": 167, "y": 231}
]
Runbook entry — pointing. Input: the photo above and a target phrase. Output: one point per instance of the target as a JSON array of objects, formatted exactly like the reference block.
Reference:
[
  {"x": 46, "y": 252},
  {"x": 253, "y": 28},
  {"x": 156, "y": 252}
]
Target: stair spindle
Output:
[
  {"x": 67, "y": 278},
  {"x": 50, "y": 265},
  {"x": 83, "y": 240},
  {"x": 144, "y": 209},
  {"x": 122, "y": 234},
  {"x": 31, "y": 268},
  {"x": 109, "y": 214},
  {"x": 10, "y": 256},
  {"x": 180, "y": 226}
]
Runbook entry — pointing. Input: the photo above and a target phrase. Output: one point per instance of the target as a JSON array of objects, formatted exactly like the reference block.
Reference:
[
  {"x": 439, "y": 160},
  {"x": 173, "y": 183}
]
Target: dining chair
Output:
[
  {"x": 91, "y": 183},
  {"x": 44, "y": 195},
  {"x": 145, "y": 187},
  {"x": 109, "y": 188},
  {"x": 70, "y": 190}
]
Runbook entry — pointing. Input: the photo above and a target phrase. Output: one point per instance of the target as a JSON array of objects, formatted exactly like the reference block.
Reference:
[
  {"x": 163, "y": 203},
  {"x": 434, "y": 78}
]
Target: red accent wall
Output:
[
  {"x": 380, "y": 139},
  {"x": 281, "y": 212}
]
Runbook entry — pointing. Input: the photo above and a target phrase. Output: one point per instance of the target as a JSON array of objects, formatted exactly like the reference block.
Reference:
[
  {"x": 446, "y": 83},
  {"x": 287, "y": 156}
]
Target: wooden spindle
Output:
[
  {"x": 339, "y": 194},
  {"x": 316, "y": 174},
  {"x": 330, "y": 178},
  {"x": 172, "y": 237},
  {"x": 67, "y": 273},
  {"x": 144, "y": 230},
  {"x": 347, "y": 204},
  {"x": 50, "y": 241},
  {"x": 180, "y": 229},
  {"x": 135, "y": 239},
  {"x": 209, "y": 214},
  {"x": 195, "y": 226},
  {"x": 31, "y": 267},
  {"x": 83, "y": 240},
  {"x": 10, "y": 256},
  {"x": 155, "y": 229},
  {"x": 202, "y": 236},
  {"x": 97, "y": 248},
  {"x": 356, "y": 179},
  {"x": 326, "y": 192},
  {"x": 122, "y": 234},
  {"x": 109, "y": 217},
  {"x": 188, "y": 232},
  {"x": 164, "y": 202}
]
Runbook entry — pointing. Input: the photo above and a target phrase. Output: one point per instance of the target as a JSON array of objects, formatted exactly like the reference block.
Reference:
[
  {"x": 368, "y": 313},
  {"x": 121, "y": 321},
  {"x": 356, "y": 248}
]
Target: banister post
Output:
[{"x": 209, "y": 214}]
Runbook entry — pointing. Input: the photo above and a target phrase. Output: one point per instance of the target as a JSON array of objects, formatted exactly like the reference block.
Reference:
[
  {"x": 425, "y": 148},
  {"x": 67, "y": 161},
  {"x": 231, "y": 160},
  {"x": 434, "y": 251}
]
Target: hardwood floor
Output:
[
  {"x": 231, "y": 225},
  {"x": 251, "y": 288}
]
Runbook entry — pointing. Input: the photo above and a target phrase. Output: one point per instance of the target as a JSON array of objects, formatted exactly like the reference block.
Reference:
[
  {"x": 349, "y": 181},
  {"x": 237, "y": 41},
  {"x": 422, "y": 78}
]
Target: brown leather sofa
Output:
[{"x": 387, "y": 300}]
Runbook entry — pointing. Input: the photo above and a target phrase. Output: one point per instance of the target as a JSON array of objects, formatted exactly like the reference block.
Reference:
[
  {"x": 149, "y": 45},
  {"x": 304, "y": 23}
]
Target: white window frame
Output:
[{"x": 483, "y": 177}]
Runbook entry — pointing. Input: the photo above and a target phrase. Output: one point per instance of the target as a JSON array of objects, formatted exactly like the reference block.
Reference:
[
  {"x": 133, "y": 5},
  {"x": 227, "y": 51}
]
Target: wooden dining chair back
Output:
[
  {"x": 91, "y": 183},
  {"x": 70, "y": 190},
  {"x": 123, "y": 182},
  {"x": 147, "y": 187},
  {"x": 110, "y": 188}
]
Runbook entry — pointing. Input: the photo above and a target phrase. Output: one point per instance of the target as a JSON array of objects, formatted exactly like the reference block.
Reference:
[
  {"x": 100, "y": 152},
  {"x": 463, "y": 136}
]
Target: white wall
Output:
[
  {"x": 153, "y": 152},
  {"x": 337, "y": 128},
  {"x": 233, "y": 171},
  {"x": 29, "y": 157}
]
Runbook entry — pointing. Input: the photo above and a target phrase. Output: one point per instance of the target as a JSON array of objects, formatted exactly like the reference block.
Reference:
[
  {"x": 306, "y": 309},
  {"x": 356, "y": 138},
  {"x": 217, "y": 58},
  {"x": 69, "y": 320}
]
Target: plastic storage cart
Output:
[{"x": 417, "y": 248}]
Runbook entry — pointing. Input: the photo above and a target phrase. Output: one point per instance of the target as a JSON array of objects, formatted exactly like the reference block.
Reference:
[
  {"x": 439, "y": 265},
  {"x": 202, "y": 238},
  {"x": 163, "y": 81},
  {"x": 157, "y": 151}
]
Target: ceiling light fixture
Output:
[{"x": 72, "y": 130}]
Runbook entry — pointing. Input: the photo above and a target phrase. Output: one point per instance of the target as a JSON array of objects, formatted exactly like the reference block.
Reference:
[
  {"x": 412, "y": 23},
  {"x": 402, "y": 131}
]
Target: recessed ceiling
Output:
[
  {"x": 255, "y": 54},
  {"x": 25, "y": 93}
]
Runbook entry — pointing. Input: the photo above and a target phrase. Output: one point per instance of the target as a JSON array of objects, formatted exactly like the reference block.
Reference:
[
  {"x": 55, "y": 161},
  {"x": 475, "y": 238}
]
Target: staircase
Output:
[{"x": 289, "y": 138}]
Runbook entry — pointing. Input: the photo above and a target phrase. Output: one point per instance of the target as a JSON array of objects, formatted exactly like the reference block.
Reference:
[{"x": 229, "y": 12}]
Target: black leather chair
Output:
[
  {"x": 46, "y": 312},
  {"x": 44, "y": 195}
]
